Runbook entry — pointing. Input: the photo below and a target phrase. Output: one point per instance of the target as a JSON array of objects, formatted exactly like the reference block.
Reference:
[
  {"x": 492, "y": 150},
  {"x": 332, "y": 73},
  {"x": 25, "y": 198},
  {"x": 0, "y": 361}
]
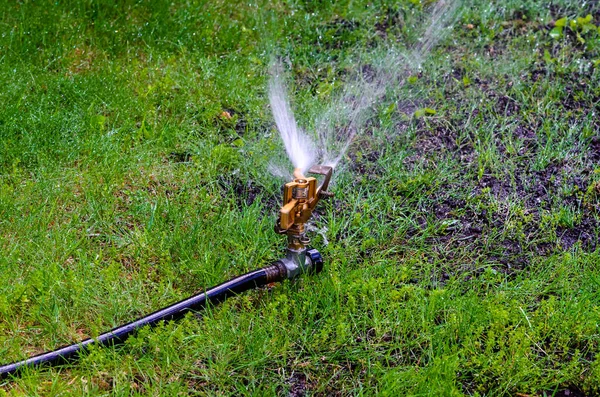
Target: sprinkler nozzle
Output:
[{"x": 298, "y": 174}]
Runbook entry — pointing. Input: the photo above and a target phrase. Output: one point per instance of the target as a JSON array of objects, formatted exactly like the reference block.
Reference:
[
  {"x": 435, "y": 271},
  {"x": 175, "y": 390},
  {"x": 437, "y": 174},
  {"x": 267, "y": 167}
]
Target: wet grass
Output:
[{"x": 461, "y": 249}]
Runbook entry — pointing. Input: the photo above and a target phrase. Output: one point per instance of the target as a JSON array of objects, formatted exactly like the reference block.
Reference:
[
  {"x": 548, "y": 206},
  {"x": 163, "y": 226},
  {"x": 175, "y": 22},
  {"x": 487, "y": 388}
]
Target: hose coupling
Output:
[{"x": 297, "y": 262}]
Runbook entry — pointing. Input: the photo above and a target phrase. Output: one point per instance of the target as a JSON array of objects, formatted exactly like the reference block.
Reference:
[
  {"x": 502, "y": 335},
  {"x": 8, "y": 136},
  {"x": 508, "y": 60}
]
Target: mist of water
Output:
[{"x": 346, "y": 116}]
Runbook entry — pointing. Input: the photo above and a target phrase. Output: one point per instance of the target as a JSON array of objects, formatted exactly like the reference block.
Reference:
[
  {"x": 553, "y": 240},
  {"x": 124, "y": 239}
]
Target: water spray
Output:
[{"x": 300, "y": 198}]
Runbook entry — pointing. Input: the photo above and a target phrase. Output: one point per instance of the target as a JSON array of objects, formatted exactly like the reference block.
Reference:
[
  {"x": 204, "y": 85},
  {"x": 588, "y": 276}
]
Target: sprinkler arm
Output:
[{"x": 326, "y": 171}]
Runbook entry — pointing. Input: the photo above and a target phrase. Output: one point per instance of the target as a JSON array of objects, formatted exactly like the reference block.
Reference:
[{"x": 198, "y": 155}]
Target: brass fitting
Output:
[{"x": 300, "y": 198}]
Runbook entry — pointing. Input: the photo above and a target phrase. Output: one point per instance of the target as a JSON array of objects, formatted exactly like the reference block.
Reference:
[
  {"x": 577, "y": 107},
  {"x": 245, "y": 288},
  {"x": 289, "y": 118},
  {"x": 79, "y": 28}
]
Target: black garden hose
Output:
[{"x": 258, "y": 278}]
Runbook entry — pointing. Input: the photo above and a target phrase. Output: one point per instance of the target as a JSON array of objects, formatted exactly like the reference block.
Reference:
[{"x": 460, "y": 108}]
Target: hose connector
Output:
[{"x": 297, "y": 262}]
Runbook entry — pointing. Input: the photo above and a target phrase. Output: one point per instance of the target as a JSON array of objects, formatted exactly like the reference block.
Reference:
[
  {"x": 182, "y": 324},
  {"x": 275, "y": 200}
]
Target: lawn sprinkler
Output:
[{"x": 300, "y": 198}]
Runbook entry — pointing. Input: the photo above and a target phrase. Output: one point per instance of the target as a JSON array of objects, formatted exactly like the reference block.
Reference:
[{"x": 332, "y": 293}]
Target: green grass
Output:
[{"x": 462, "y": 253}]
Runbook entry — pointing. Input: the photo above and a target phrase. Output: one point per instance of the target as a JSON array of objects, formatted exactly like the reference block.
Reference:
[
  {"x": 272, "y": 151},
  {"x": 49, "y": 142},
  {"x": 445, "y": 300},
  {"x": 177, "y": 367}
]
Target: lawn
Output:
[{"x": 462, "y": 252}]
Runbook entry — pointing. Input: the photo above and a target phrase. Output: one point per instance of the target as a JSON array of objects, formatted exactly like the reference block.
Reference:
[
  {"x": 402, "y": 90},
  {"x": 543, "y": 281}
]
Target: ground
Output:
[{"x": 461, "y": 248}]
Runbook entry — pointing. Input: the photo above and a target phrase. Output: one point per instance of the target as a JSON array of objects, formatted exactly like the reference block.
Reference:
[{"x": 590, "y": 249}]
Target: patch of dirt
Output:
[
  {"x": 585, "y": 233},
  {"x": 298, "y": 385},
  {"x": 569, "y": 392},
  {"x": 365, "y": 164},
  {"x": 470, "y": 231},
  {"x": 364, "y": 157},
  {"x": 246, "y": 192},
  {"x": 505, "y": 105},
  {"x": 180, "y": 157},
  {"x": 434, "y": 137},
  {"x": 537, "y": 74},
  {"x": 471, "y": 234},
  {"x": 594, "y": 149},
  {"x": 368, "y": 73}
]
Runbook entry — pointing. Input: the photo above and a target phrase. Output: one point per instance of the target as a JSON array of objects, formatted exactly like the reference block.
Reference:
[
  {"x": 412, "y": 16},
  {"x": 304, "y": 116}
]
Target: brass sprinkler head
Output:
[{"x": 300, "y": 198}]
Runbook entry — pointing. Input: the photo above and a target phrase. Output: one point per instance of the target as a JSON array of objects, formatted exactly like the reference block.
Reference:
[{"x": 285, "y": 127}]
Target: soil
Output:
[
  {"x": 297, "y": 384},
  {"x": 246, "y": 192},
  {"x": 180, "y": 157},
  {"x": 476, "y": 234}
]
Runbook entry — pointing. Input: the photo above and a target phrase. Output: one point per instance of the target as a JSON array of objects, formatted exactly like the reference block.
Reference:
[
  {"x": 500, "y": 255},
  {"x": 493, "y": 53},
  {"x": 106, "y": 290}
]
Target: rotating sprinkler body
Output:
[{"x": 299, "y": 200}]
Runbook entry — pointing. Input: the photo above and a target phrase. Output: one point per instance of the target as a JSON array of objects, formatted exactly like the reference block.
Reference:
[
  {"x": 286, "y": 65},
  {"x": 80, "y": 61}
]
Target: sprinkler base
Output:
[{"x": 297, "y": 262}]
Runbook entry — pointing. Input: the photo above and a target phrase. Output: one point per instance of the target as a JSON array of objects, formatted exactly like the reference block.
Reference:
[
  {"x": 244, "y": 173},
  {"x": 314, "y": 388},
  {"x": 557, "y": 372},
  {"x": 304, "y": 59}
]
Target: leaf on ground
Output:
[
  {"x": 424, "y": 112},
  {"x": 556, "y": 32},
  {"x": 562, "y": 22}
]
